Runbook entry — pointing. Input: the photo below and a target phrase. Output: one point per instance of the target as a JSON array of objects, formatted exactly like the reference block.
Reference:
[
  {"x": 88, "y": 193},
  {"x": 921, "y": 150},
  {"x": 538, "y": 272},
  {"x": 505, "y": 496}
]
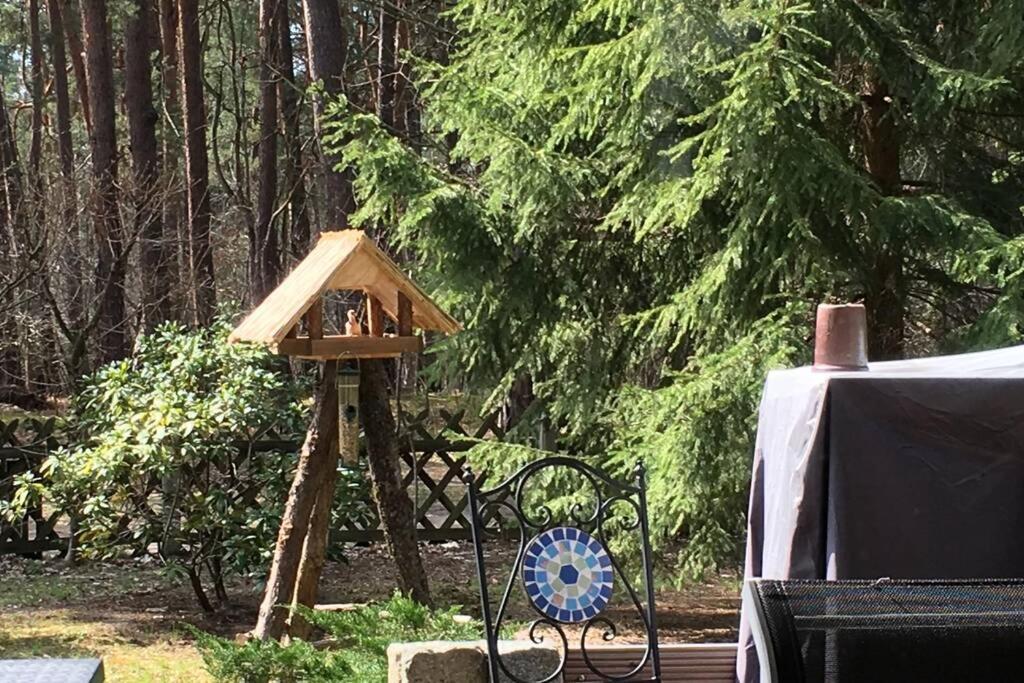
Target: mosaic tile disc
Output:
[{"x": 567, "y": 574}]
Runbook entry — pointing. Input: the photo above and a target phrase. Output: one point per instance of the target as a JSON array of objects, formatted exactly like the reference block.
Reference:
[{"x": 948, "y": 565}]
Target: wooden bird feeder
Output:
[{"x": 346, "y": 260}]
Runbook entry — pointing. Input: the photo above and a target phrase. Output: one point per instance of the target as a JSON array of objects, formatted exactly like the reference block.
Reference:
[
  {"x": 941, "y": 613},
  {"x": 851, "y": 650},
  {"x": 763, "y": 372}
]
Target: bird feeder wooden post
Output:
[{"x": 341, "y": 261}]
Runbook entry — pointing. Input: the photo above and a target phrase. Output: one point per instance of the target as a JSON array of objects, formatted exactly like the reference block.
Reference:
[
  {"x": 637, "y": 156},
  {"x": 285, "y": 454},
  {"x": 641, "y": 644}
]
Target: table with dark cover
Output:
[{"x": 913, "y": 469}]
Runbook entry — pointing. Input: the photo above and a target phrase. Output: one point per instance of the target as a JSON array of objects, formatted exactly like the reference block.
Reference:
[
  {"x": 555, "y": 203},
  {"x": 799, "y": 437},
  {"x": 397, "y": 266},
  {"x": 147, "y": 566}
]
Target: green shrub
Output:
[
  {"x": 362, "y": 637},
  {"x": 262, "y": 661},
  {"x": 161, "y": 462}
]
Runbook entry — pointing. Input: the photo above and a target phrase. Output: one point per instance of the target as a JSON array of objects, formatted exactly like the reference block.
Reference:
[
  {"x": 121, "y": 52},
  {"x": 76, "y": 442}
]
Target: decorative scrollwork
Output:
[
  {"x": 563, "y": 651},
  {"x": 631, "y": 523},
  {"x": 567, "y": 568},
  {"x": 609, "y": 631}
]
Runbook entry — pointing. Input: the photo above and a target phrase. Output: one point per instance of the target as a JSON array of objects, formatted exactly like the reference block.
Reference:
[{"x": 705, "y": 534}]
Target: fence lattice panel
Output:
[
  {"x": 24, "y": 444},
  {"x": 433, "y": 458}
]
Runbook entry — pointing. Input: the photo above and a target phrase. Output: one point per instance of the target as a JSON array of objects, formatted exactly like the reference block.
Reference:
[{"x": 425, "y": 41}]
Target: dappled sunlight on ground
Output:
[{"x": 132, "y": 615}]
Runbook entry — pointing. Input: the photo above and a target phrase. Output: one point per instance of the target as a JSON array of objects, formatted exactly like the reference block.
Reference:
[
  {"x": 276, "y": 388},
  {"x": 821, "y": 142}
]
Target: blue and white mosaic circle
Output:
[{"x": 567, "y": 574}]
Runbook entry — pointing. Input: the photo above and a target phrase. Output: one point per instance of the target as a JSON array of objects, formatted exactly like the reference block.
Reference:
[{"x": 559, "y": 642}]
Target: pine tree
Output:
[{"x": 639, "y": 204}]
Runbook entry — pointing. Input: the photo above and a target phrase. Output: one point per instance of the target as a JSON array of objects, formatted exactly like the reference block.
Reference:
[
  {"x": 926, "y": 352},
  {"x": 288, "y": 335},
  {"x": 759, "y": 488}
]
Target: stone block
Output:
[
  {"x": 466, "y": 662},
  {"x": 437, "y": 662},
  {"x": 526, "y": 661}
]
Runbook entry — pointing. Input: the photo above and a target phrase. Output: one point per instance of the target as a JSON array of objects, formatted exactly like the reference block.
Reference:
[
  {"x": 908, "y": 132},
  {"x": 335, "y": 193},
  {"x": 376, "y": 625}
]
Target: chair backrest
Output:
[
  {"x": 564, "y": 569},
  {"x": 887, "y": 630}
]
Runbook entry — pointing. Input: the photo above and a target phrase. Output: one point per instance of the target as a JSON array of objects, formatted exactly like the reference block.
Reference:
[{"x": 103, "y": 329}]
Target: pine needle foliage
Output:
[{"x": 637, "y": 204}]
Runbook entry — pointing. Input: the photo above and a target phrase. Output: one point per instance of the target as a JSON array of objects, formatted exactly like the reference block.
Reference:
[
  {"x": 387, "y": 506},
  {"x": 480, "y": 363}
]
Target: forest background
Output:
[{"x": 633, "y": 206}]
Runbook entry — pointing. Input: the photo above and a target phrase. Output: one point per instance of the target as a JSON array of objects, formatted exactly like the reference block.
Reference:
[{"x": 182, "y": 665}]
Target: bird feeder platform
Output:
[{"x": 346, "y": 260}]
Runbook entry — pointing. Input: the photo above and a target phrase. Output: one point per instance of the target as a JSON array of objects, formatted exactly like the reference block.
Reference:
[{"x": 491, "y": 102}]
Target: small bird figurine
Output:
[{"x": 352, "y": 326}]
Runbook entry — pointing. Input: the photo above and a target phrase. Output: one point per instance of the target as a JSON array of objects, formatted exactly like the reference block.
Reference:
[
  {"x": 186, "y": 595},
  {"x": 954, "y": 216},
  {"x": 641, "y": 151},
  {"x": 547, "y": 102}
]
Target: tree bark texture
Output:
[
  {"x": 72, "y": 33},
  {"x": 68, "y": 195},
  {"x": 140, "y": 43},
  {"x": 197, "y": 168},
  {"x": 314, "y": 550},
  {"x": 326, "y": 43},
  {"x": 110, "y": 266},
  {"x": 10, "y": 168},
  {"x": 885, "y": 295},
  {"x": 58, "y": 58},
  {"x": 35, "y": 150},
  {"x": 10, "y": 200},
  {"x": 174, "y": 204},
  {"x": 294, "y": 172},
  {"x": 309, "y": 475},
  {"x": 387, "y": 69},
  {"x": 264, "y": 263},
  {"x": 405, "y": 118},
  {"x": 393, "y": 504}
]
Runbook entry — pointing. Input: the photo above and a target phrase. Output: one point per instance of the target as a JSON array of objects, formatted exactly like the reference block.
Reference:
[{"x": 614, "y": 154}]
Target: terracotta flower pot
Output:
[{"x": 841, "y": 337}]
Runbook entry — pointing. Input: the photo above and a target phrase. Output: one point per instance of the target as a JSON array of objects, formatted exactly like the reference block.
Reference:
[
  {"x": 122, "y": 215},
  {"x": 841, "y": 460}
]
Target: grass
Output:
[
  {"x": 108, "y": 611},
  {"x": 133, "y": 616},
  {"x": 65, "y": 633},
  {"x": 362, "y": 635}
]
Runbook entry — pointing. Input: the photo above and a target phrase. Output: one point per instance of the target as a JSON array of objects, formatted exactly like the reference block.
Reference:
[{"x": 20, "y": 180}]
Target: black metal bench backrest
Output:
[
  {"x": 889, "y": 630},
  {"x": 565, "y": 570}
]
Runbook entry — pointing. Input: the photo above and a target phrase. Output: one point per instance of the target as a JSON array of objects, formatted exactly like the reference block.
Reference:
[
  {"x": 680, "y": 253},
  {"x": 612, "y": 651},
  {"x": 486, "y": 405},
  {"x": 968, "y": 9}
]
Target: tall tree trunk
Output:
[
  {"x": 197, "y": 170},
  {"x": 291, "y": 537},
  {"x": 11, "y": 167},
  {"x": 404, "y": 93},
  {"x": 886, "y": 286},
  {"x": 387, "y": 70},
  {"x": 35, "y": 231},
  {"x": 10, "y": 219},
  {"x": 11, "y": 177},
  {"x": 110, "y": 266},
  {"x": 294, "y": 174},
  {"x": 393, "y": 504},
  {"x": 77, "y": 59},
  {"x": 326, "y": 42},
  {"x": 68, "y": 195},
  {"x": 139, "y": 46},
  {"x": 65, "y": 149},
  {"x": 175, "y": 257},
  {"x": 35, "y": 150},
  {"x": 264, "y": 262}
]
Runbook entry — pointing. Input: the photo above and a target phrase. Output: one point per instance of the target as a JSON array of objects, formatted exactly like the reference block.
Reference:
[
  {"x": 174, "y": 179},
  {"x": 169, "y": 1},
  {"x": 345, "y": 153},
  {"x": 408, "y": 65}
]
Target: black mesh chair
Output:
[{"x": 886, "y": 630}]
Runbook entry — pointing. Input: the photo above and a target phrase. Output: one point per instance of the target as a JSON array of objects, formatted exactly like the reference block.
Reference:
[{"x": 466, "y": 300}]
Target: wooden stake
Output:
[
  {"x": 309, "y": 475},
  {"x": 314, "y": 550},
  {"x": 404, "y": 315},
  {"x": 375, "y": 316},
  {"x": 393, "y": 504}
]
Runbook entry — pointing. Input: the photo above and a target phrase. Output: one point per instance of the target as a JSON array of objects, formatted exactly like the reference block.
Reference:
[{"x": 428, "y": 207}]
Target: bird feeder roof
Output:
[{"x": 342, "y": 260}]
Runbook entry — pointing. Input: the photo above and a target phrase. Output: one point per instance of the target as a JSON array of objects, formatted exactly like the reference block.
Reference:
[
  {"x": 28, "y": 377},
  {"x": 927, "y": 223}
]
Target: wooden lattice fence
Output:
[
  {"x": 24, "y": 444},
  {"x": 432, "y": 453},
  {"x": 433, "y": 457}
]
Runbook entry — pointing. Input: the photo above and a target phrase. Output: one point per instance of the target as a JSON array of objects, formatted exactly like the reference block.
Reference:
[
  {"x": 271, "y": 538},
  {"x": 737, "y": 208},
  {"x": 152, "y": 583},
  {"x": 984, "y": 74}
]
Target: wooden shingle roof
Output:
[{"x": 343, "y": 260}]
